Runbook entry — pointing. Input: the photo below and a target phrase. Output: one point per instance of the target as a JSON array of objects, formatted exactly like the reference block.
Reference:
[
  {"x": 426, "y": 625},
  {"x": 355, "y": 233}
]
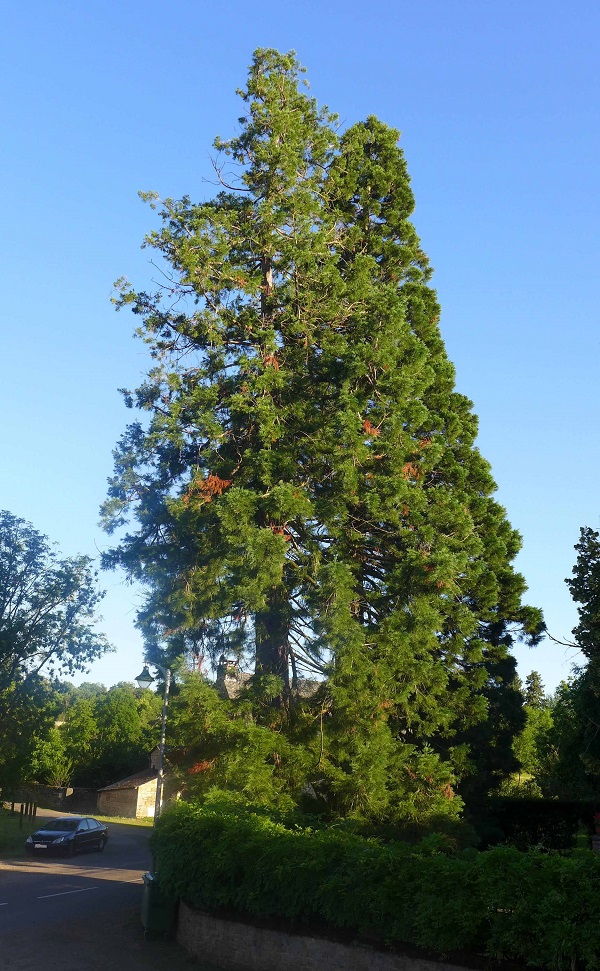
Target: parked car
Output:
[{"x": 69, "y": 835}]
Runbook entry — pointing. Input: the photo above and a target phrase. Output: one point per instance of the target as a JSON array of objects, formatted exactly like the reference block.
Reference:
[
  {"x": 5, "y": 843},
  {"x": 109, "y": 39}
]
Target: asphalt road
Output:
[
  {"x": 60, "y": 914},
  {"x": 42, "y": 890}
]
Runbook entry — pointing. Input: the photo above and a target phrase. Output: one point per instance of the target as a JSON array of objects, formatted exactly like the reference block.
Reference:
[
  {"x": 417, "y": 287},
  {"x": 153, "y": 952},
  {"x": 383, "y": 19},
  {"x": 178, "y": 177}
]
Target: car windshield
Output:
[{"x": 62, "y": 825}]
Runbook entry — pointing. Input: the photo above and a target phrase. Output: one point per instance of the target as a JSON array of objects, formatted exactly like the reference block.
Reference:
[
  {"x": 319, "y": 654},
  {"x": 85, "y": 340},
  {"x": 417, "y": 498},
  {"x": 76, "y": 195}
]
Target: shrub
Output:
[{"x": 535, "y": 907}]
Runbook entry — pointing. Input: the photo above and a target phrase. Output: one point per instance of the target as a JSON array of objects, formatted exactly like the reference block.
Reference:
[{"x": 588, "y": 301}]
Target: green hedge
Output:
[{"x": 538, "y": 908}]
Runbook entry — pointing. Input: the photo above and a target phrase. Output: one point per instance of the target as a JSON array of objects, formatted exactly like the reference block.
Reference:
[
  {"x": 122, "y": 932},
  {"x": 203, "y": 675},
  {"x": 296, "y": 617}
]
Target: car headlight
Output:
[
  {"x": 29, "y": 839},
  {"x": 60, "y": 839}
]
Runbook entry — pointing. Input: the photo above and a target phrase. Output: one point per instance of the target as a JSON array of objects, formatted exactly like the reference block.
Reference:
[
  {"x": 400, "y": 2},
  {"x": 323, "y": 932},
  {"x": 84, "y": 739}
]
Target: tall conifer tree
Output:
[{"x": 307, "y": 488}]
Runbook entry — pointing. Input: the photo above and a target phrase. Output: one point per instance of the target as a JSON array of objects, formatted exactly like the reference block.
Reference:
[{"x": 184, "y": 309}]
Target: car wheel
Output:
[
  {"x": 101, "y": 844},
  {"x": 71, "y": 849}
]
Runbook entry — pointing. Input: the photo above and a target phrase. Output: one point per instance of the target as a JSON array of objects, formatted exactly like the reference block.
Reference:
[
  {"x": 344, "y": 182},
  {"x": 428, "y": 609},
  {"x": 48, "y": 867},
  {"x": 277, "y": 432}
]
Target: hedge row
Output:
[{"x": 537, "y": 908}]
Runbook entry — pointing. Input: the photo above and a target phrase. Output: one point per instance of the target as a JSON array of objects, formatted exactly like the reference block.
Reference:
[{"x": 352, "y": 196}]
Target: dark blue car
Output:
[{"x": 68, "y": 835}]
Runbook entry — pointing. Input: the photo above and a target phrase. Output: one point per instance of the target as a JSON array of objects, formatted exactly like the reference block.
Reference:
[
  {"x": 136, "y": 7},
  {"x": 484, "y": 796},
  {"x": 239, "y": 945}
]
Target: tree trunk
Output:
[{"x": 272, "y": 647}]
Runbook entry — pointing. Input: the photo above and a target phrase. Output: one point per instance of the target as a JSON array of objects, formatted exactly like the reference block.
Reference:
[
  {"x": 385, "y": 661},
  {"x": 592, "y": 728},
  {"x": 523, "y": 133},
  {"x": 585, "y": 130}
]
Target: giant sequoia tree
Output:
[{"x": 306, "y": 489}]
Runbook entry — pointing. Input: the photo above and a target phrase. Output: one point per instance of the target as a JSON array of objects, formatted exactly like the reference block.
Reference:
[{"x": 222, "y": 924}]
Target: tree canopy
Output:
[
  {"x": 47, "y": 606},
  {"x": 584, "y": 585},
  {"x": 305, "y": 489},
  {"x": 108, "y": 735},
  {"x": 570, "y": 747},
  {"x": 47, "y": 610},
  {"x": 47, "y": 627}
]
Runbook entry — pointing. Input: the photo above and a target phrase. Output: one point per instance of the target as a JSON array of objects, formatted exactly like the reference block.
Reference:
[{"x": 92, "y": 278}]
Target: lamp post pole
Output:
[
  {"x": 161, "y": 748},
  {"x": 144, "y": 680}
]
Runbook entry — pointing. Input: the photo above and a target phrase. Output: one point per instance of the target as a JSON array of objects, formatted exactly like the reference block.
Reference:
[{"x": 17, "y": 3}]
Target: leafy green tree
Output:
[
  {"x": 80, "y": 731},
  {"x": 566, "y": 752},
  {"x": 306, "y": 490},
  {"x": 531, "y": 746},
  {"x": 110, "y": 734},
  {"x": 89, "y": 689},
  {"x": 31, "y": 706},
  {"x": 47, "y": 626},
  {"x": 50, "y": 763},
  {"x": 47, "y": 607}
]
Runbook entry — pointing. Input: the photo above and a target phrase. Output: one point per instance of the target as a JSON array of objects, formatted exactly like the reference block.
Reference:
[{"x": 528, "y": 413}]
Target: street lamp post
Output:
[{"x": 144, "y": 680}]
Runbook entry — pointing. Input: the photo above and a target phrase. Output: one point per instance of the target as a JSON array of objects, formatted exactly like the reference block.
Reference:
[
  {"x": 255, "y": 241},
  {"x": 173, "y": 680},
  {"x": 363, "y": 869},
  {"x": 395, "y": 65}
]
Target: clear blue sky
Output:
[{"x": 499, "y": 108}]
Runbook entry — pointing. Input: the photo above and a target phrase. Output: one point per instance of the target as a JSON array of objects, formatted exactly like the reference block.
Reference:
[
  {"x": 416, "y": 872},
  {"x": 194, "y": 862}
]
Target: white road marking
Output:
[
  {"x": 4, "y": 905},
  {"x": 65, "y": 892}
]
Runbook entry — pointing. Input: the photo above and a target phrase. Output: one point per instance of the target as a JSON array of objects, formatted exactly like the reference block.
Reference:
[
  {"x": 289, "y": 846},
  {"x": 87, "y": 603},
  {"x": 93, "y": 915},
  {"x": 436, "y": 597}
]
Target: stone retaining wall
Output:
[
  {"x": 65, "y": 799},
  {"x": 235, "y": 946}
]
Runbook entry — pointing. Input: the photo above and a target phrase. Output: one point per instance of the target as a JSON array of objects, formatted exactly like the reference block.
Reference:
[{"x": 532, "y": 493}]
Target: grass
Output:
[
  {"x": 12, "y": 838},
  {"x": 146, "y": 821}
]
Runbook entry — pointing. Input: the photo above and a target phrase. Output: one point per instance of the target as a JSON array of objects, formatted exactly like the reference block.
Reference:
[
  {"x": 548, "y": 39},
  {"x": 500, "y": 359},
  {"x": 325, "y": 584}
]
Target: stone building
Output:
[
  {"x": 131, "y": 798},
  {"x": 230, "y": 681}
]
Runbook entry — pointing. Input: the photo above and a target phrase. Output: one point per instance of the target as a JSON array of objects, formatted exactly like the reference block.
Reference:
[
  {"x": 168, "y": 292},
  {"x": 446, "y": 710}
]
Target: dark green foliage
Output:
[
  {"x": 567, "y": 742},
  {"x": 28, "y": 709},
  {"x": 217, "y": 745},
  {"x": 530, "y": 746},
  {"x": 306, "y": 493},
  {"x": 568, "y": 750},
  {"x": 85, "y": 736},
  {"x": 585, "y": 590},
  {"x": 50, "y": 763},
  {"x": 491, "y": 744},
  {"x": 550, "y": 824},
  {"x": 537, "y": 908}
]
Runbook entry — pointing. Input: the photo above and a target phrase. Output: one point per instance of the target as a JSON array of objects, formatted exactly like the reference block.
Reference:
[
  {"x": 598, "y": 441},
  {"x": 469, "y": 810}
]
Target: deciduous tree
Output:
[
  {"x": 47, "y": 607},
  {"x": 47, "y": 626}
]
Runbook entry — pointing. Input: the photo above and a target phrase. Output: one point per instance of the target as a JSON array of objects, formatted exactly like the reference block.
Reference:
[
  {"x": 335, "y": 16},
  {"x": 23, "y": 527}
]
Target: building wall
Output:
[
  {"x": 131, "y": 803},
  {"x": 146, "y": 799},
  {"x": 118, "y": 802}
]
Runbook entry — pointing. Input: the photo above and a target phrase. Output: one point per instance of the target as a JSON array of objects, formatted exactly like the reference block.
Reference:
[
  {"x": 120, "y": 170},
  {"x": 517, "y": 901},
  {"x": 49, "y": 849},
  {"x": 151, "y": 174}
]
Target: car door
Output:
[
  {"x": 96, "y": 831},
  {"x": 83, "y": 835}
]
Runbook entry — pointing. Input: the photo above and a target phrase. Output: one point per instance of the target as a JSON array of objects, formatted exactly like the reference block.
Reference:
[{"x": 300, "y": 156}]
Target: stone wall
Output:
[
  {"x": 64, "y": 799},
  {"x": 118, "y": 802},
  {"x": 82, "y": 801},
  {"x": 235, "y": 946},
  {"x": 134, "y": 802},
  {"x": 146, "y": 800}
]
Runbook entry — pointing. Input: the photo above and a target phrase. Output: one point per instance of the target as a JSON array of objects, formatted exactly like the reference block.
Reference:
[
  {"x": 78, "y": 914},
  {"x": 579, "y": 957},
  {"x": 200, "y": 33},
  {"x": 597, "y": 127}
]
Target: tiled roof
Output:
[{"x": 132, "y": 781}]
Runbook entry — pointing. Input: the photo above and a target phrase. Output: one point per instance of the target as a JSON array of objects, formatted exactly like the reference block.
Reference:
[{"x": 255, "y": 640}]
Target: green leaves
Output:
[
  {"x": 584, "y": 586},
  {"x": 47, "y": 606},
  {"x": 307, "y": 483},
  {"x": 535, "y": 908}
]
